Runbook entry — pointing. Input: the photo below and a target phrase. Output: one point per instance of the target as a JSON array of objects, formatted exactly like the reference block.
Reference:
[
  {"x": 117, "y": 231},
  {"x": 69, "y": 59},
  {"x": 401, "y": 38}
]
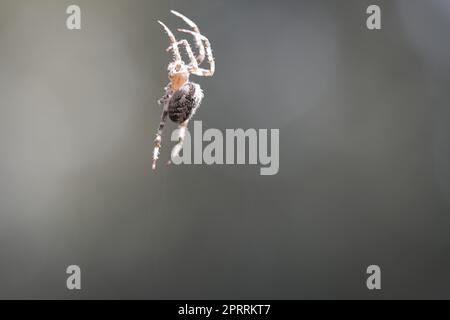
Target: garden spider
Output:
[{"x": 182, "y": 97}]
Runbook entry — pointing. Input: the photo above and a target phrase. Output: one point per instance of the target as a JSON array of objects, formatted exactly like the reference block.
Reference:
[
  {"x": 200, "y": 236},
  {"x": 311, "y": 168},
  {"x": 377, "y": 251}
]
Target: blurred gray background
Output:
[{"x": 364, "y": 175}]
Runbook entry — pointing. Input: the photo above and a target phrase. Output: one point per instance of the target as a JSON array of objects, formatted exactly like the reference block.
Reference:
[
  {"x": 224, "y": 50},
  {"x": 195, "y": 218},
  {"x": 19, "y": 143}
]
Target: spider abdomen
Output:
[{"x": 184, "y": 102}]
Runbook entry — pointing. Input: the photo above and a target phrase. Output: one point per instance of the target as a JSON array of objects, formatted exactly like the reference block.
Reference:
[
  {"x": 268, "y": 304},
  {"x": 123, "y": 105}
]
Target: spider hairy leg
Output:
[
  {"x": 209, "y": 55},
  {"x": 158, "y": 139},
  {"x": 198, "y": 40},
  {"x": 193, "y": 60},
  {"x": 173, "y": 42}
]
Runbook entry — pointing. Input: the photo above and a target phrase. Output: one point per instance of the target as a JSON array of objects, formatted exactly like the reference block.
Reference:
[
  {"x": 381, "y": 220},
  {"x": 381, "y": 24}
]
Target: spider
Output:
[{"x": 182, "y": 97}]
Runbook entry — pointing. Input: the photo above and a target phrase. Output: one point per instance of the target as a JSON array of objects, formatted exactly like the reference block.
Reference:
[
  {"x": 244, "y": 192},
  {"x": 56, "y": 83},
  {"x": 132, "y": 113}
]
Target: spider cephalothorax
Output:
[{"x": 182, "y": 97}]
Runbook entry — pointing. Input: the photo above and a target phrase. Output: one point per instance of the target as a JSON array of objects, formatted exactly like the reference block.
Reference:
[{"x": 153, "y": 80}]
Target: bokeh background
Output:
[{"x": 364, "y": 175}]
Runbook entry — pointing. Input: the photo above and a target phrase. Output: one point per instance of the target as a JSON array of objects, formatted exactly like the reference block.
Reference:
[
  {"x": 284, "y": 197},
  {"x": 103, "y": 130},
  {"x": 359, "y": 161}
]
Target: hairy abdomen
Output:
[{"x": 184, "y": 102}]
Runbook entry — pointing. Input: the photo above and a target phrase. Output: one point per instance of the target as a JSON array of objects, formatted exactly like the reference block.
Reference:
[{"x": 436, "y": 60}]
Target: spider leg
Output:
[
  {"x": 166, "y": 96},
  {"x": 181, "y": 135},
  {"x": 193, "y": 61},
  {"x": 198, "y": 40},
  {"x": 158, "y": 138},
  {"x": 209, "y": 55},
  {"x": 173, "y": 42}
]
